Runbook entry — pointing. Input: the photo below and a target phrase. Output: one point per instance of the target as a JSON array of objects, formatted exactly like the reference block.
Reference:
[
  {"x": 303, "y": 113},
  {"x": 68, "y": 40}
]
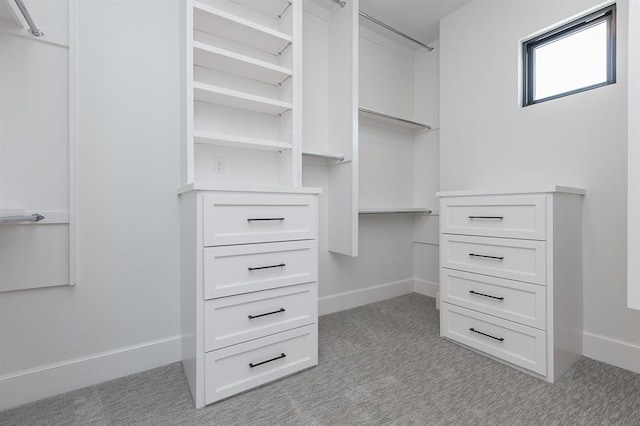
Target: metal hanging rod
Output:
[
  {"x": 33, "y": 28},
  {"x": 393, "y": 30},
  {"x": 338, "y": 158},
  {"x": 25, "y": 218},
  {"x": 391, "y": 117}
]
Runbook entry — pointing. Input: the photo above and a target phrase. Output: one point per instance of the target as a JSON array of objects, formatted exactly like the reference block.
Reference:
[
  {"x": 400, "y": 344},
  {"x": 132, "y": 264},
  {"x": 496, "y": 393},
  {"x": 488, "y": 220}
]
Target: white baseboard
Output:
[
  {"x": 53, "y": 379},
  {"x": 426, "y": 288},
  {"x": 612, "y": 351},
  {"x": 353, "y": 299}
]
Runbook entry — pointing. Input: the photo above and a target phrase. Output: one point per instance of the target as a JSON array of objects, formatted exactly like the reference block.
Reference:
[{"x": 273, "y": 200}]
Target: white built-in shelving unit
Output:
[
  {"x": 374, "y": 109},
  {"x": 242, "y": 92}
]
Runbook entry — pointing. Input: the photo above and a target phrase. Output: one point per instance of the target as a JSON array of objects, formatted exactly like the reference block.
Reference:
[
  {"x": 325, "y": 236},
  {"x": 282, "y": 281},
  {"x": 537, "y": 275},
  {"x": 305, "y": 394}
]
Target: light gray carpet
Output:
[{"x": 379, "y": 364}]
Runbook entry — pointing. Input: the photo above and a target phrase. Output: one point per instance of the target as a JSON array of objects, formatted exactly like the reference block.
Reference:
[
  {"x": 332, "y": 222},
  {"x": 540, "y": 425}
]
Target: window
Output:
[{"x": 573, "y": 58}]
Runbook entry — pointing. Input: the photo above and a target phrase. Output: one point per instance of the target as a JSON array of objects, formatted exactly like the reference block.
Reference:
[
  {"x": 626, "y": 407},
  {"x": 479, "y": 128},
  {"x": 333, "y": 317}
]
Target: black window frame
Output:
[{"x": 607, "y": 14}]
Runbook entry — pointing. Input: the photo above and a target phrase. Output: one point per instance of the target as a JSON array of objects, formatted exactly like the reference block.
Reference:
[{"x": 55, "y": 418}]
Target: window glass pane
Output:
[{"x": 573, "y": 62}]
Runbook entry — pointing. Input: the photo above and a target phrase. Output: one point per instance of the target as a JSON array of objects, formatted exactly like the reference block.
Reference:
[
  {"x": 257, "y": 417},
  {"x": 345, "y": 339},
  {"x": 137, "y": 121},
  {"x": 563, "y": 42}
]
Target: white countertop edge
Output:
[
  {"x": 237, "y": 187},
  {"x": 534, "y": 190}
]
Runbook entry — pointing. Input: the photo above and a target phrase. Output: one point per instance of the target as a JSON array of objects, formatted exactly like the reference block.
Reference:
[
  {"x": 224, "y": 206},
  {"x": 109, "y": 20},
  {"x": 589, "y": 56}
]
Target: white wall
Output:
[
  {"x": 126, "y": 302},
  {"x": 489, "y": 141},
  {"x": 634, "y": 158}
]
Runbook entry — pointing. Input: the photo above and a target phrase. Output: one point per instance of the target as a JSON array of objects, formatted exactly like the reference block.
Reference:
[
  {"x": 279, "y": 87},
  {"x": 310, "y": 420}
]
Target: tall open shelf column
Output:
[
  {"x": 242, "y": 92},
  {"x": 379, "y": 107}
]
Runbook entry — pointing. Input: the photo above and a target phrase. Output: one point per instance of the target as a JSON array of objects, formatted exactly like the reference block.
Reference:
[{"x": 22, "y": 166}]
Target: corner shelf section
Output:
[
  {"x": 212, "y": 57},
  {"x": 223, "y": 24},
  {"x": 391, "y": 120},
  {"x": 221, "y": 139},
  {"x": 389, "y": 210},
  {"x": 232, "y": 98}
]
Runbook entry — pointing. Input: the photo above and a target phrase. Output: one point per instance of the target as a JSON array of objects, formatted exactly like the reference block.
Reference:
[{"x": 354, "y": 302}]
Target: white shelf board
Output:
[
  {"x": 395, "y": 210},
  {"x": 230, "y": 62},
  {"x": 226, "y": 25},
  {"x": 270, "y": 8},
  {"x": 242, "y": 187},
  {"x": 233, "y": 141},
  {"x": 543, "y": 189},
  {"x": 232, "y": 98},
  {"x": 391, "y": 120}
]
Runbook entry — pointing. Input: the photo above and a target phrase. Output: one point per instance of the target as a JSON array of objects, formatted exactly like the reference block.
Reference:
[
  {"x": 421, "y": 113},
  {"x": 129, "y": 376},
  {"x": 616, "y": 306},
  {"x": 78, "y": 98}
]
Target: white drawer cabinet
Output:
[
  {"x": 249, "y": 296},
  {"x": 511, "y": 276}
]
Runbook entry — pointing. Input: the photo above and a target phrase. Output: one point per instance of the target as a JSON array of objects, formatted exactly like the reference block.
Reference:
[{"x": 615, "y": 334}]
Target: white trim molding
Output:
[
  {"x": 353, "y": 299},
  {"x": 618, "y": 353},
  {"x": 53, "y": 379},
  {"x": 426, "y": 288}
]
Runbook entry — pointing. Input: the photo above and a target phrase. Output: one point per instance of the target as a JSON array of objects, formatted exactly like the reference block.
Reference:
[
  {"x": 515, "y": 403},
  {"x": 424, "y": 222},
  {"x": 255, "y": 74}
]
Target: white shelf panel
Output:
[
  {"x": 232, "y": 98},
  {"x": 221, "y": 139},
  {"x": 397, "y": 210},
  {"x": 226, "y": 25},
  {"x": 390, "y": 120},
  {"x": 271, "y": 8},
  {"x": 216, "y": 58}
]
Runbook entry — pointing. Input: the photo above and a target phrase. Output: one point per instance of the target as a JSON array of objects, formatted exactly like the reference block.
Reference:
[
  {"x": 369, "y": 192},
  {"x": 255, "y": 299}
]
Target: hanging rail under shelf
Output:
[
  {"x": 23, "y": 218},
  {"x": 325, "y": 156},
  {"x": 393, "y": 30},
  {"x": 391, "y": 117},
  {"x": 33, "y": 28}
]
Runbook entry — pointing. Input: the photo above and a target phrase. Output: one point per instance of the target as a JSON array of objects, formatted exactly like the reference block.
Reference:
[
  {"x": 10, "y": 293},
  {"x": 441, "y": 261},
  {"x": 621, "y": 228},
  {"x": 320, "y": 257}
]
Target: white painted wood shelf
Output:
[
  {"x": 209, "y": 93},
  {"x": 240, "y": 30},
  {"x": 395, "y": 210},
  {"x": 271, "y": 8},
  {"x": 234, "y": 141},
  {"x": 213, "y": 57},
  {"x": 391, "y": 120}
]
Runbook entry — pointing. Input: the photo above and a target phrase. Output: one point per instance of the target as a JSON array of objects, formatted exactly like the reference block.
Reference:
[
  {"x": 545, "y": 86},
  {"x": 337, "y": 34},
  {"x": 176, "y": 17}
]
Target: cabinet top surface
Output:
[
  {"x": 533, "y": 190},
  {"x": 235, "y": 187}
]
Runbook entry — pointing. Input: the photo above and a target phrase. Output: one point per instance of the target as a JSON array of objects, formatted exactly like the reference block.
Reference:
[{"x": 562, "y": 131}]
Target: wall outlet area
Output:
[{"x": 218, "y": 165}]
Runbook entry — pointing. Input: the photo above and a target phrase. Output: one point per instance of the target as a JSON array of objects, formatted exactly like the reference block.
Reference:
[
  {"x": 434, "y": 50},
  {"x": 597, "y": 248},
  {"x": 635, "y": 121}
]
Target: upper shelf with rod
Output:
[
  {"x": 18, "y": 8},
  {"x": 387, "y": 119},
  {"x": 387, "y": 26}
]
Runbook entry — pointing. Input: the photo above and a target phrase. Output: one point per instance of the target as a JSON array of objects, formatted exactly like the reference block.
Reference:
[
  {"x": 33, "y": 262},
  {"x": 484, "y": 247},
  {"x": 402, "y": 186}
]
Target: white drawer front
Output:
[
  {"x": 522, "y": 260},
  {"x": 229, "y": 370},
  {"x": 511, "y": 216},
  {"x": 512, "y": 300},
  {"x": 237, "y": 319},
  {"x": 240, "y": 269},
  {"x": 520, "y": 345},
  {"x": 248, "y": 218}
]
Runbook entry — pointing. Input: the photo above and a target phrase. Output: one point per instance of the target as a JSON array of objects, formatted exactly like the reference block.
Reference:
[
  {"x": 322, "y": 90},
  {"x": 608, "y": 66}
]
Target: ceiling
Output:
[{"x": 419, "y": 19}]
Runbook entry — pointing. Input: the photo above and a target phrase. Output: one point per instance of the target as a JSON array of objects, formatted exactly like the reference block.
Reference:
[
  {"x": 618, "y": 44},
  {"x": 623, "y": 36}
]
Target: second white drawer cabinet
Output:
[
  {"x": 511, "y": 276},
  {"x": 249, "y": 298}
]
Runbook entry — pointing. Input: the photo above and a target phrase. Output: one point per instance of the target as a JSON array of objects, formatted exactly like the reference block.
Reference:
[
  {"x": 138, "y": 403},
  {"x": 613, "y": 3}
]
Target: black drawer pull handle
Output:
[
  {"x": 486, "y": 295},
  {"x": 268, "y": 313},
  {"x": 501, "y": 339},
  {"x": 259, "y": 219},
  {"x": 282, "y": 355},
  {"x": 281, "y": 265},
  {"x": 487, "y": 217},
  {"x": 487, "y": 257}
]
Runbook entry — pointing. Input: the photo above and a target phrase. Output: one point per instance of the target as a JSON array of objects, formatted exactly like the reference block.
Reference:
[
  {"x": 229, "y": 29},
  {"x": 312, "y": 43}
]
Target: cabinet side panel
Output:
[
  {"x": 567, "y": 281},
  {"x": 188, "y": 287}
]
